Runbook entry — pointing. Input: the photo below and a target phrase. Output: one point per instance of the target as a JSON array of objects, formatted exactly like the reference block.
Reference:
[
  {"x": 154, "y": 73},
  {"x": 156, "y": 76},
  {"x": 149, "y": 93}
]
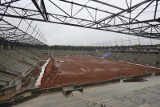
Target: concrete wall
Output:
[
  {"x": 139, "y": 58},
  {"x": 69, "y": 52}
]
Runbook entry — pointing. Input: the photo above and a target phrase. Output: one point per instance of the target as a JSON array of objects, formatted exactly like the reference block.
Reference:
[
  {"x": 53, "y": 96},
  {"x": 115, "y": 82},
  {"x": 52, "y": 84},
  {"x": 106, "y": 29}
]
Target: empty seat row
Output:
[
  {"x": 19, "y": 56},
  {"x": 7, "y": 78},
  {"x": 30, "y": 54},
  {"x": 12, "y": 64}
]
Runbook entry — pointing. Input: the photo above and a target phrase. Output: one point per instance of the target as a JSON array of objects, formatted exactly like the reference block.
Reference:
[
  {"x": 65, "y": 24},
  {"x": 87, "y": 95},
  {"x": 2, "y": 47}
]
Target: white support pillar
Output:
[
  {"x": 1, "y": 47},
  {"x": 9, "y": 47}
]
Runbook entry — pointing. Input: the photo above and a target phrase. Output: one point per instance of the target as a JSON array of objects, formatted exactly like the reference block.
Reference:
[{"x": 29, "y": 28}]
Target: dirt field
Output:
[{"x": 82, "y": 69}]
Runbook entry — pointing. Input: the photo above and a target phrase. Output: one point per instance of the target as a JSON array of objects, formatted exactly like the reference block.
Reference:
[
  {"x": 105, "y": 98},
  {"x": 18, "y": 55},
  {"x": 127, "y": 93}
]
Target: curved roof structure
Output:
[{"x": 131, "y": 17}]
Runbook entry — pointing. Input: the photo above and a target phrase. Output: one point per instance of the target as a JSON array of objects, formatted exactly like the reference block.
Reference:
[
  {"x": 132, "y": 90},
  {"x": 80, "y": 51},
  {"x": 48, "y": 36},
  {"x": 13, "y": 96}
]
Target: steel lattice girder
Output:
[
  {"x": 122, "y": 21},
  {"x": 13, "y": 33}
]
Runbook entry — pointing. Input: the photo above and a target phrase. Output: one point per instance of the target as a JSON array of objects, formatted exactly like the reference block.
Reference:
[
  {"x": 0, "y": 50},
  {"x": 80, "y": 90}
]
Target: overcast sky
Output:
[{"x": 67, "y": 35}]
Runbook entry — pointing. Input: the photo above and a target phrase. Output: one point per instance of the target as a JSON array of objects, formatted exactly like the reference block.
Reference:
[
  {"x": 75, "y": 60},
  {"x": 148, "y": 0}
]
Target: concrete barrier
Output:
[{"x": 20, "y": 97}]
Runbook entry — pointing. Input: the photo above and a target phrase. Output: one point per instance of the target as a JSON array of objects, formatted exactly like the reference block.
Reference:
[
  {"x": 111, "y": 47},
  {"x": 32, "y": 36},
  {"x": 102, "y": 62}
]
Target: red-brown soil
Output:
[{"x": 82, "y": 69}]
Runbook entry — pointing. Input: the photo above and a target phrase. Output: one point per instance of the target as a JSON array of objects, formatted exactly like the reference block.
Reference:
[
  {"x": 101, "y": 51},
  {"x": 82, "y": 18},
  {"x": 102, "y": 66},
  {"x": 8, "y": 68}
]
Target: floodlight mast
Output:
[{"x": 149, "y": 28}]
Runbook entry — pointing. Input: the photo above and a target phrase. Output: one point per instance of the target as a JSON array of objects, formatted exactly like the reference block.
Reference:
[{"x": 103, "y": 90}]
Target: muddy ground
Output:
[{"x": 82, "y": 69}]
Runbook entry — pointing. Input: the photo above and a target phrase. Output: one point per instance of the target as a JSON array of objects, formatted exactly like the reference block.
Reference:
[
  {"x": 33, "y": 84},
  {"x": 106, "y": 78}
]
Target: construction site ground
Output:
[{"x": 83, "y": 69}]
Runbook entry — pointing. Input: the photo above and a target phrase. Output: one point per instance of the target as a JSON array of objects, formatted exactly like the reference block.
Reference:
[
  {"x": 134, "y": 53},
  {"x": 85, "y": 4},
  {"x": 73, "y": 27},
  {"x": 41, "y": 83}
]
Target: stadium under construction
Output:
[{"x": 34, "y": 74}]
